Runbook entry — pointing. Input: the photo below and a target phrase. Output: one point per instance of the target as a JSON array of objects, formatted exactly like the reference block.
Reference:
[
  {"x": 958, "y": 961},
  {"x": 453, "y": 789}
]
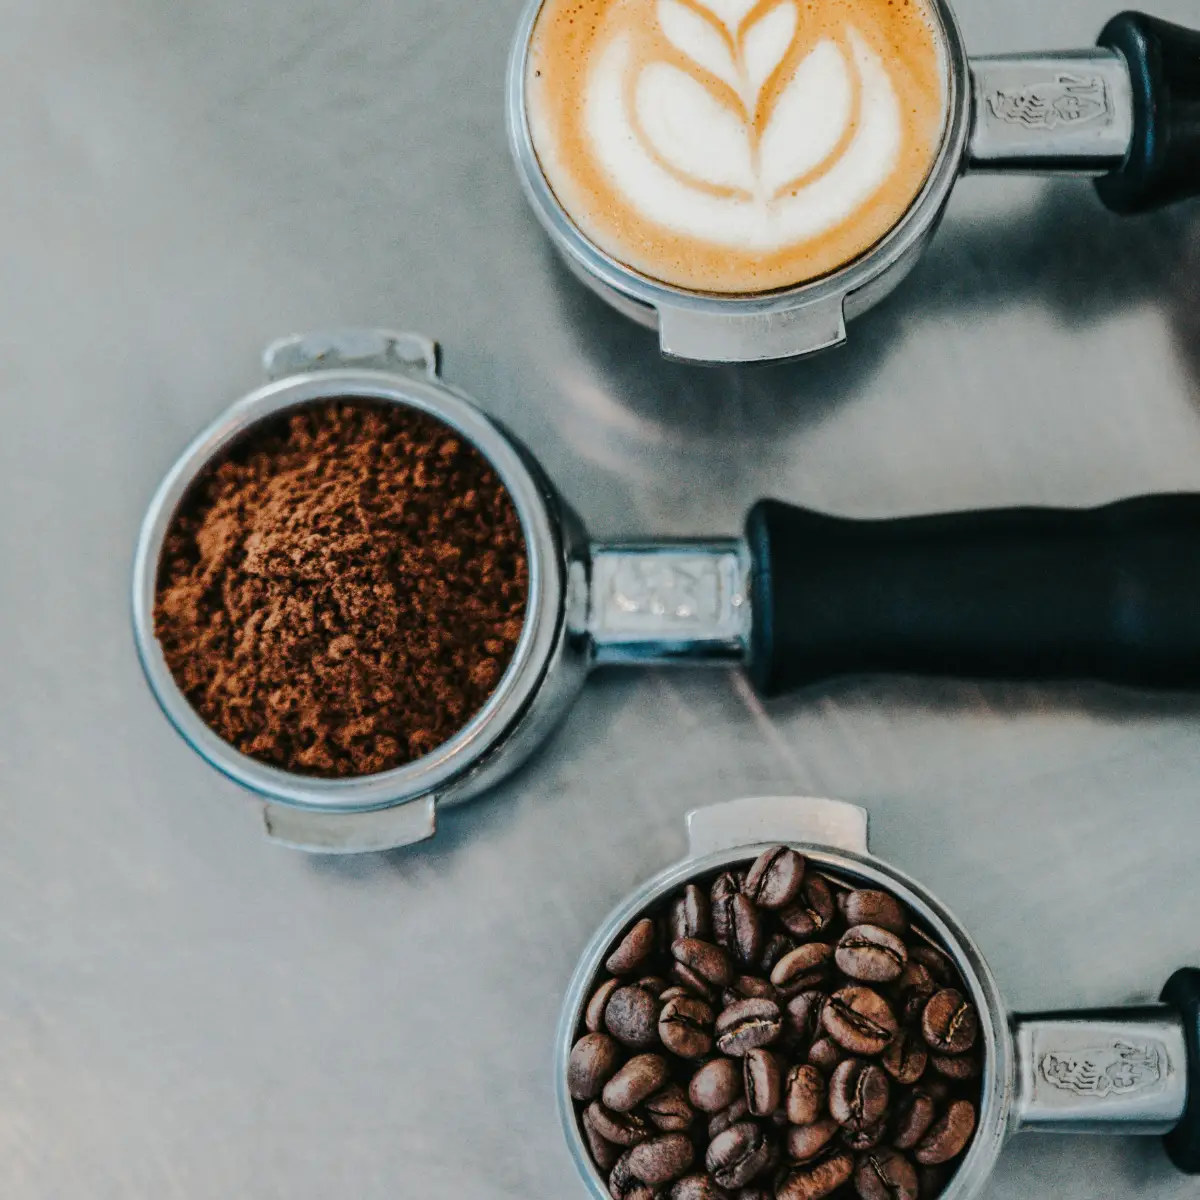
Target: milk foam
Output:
[{"x": 730, "y": 125}]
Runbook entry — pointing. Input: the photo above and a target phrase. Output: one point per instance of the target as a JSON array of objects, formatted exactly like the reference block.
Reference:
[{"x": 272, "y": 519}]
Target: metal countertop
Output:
[{"x": 187, "y": 1012}]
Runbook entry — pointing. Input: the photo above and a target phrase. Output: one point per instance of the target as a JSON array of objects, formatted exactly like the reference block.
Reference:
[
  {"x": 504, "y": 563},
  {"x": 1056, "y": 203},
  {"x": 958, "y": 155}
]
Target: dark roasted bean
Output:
[
  {"x": 738, "y": 1155},
  {"x": 638, "y": 1078},
  {"x": 914, "y": 1115},
  {"x": 805, "y": 1142},
  {"x": 721, "y": 906},
  {"x": 736, "y": 1112},
  {"x": 749, "y": 987},
  {"x": 662, "y": 1159},
  {"x": 634, "y": 949},
  {"x": 886, "y": 1175},
  {"x": 859, "y": 1140},
  {"x": 594, "y": 1060},
  {"x": 746, "y": 934},
  {"x": 959, "y": 1068},
  {"x": 685, "y": 1027},
  {"x": 674, "y": 992},
  {"x": 755, "y": 1192},
  {"x": 695, "y": 984},
  {"x": 872, "y": 954},
  {"x": 697, "y": 1187},
  {"x": 708, "y": 960},
  {"x": 593, "y": 1017},
  {"x": 817, "y": 1179},
  {"x": 604, "y": 1152},
  {"x": 762, "y": 1081},
  {"x": 690, "y": 915},
  {"x": 716, "y": 1085},
  {"x": 804, "y": 1095},
  {"x": 621, "y": 1183},
  {"x": 825, "y": 1054},
  {"x": 669, "y": 1109},
  {"x": 949, "y": 1135},
  {"x": 775, "y": 878},
  {"x": 804, "y": 1013},
  {"x": 654, "y": 984},
  {"x": 746, "y": 1025},
  {"x": 905, "y": 1059},
  {"x": 813, "y": 911},
  {"x": 950, "y": 1023},
  {"x": 858, "y": 1094},
  {"x": 859, "y": 1020},
  {"x": 869, "y": 907},
  {"x": 936, "y": 963},
  {"x": 806, "y": 967},
  {"x": 914, "y": 987},
  {"x": 631, "y": 1016},
  {"x": 622, "y": 1129},
  {"x": 774, "y": 948}
]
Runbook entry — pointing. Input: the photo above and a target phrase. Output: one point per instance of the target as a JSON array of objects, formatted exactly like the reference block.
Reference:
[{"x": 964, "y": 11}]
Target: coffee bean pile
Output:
[{"x": 777, "y": 1034}]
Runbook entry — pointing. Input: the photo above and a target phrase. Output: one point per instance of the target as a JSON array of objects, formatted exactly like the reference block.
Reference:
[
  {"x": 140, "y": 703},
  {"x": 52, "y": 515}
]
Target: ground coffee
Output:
[{"x": 343, "y": 591}]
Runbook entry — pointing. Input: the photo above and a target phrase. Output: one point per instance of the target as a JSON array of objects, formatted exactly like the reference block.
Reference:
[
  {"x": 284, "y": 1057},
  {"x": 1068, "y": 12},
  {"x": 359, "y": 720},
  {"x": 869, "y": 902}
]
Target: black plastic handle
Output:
[
  {"x": 1183, "y": 1143},
  {"x": 1109, "y": 593},
  {"x": 1164, "y": 161}
]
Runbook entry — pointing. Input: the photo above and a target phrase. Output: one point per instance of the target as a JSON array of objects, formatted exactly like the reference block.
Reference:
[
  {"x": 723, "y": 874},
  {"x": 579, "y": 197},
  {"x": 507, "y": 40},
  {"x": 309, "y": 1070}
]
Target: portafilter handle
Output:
[
  {"x": 1116, "y": 1071},
  {"x": 1128, "y": 112}
]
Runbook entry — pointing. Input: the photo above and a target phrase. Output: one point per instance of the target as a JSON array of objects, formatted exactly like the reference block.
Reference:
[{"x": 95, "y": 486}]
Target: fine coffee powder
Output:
[
  {"x": 342, "y": 592},
  {"x": 773, "y": 1032}
]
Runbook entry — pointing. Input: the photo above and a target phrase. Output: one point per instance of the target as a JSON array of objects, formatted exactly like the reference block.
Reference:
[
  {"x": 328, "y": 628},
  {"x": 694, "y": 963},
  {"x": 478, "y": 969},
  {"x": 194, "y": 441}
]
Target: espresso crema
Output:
[{"x": 736, "y": 146}]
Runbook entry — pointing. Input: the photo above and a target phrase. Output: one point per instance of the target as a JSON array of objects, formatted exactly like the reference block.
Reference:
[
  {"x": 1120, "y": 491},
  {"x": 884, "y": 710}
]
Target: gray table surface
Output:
[{"x": 188, "y": 1012}]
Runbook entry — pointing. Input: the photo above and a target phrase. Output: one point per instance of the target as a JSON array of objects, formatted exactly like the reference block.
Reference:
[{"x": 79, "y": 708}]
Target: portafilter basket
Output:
[
  {"x": 1024, "y": 593},
  {"x": 1127, "y": 113},
  {"x": 1116, "y": 1071}
]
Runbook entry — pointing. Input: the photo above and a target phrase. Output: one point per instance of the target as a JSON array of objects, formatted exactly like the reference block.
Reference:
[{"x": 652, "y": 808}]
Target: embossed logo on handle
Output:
[
  {"x": 1117, "y": 1070},
  {"x": 1067, "y": 100}
]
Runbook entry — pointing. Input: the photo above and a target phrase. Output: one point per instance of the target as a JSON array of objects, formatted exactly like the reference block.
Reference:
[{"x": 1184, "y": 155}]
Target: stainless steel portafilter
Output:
[
  {"x": 1024, "y": 593},
  {"x": 1126, "y": 113},
  {"x": 1112, "y": 1071}
]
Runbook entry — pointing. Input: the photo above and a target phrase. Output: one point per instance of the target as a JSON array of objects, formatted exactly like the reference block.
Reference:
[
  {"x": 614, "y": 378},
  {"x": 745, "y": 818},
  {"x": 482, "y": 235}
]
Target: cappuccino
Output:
[{"x": 736, "y": 146}]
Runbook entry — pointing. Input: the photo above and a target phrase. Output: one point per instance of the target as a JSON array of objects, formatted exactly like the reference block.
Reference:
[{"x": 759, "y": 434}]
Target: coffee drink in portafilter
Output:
[
  {"x": 736, "y": 146},
  {"x": 774, "y": 1032}
]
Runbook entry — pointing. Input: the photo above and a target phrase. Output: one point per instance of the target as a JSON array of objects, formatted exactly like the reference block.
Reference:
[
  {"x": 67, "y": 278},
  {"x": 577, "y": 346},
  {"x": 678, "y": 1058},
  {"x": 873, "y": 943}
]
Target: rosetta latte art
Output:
[{"x": 735, "y": 144}]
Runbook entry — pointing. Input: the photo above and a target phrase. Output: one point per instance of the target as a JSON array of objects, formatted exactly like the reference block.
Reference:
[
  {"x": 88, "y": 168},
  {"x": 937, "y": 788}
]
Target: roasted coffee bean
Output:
[
  {"x": 685, "y": 1027},
  {"x": 935, "y": 962},
  {"x": 738, "y": 1155},
  {"x": 755, "y": 1192},
  {"x": 638, "y": 1078},
  {"x": 748, "y": 987},
  {"x": 914, "y": 987},
  {"x": 693, "y": 983},
  {"x": 872, "y": 954},
  {"x": 746, "y": 933},
  {"x": 697, "y": 1187},
  {"x": 604, "y": 1152},
  {"x": 804, "y": 1013},
  {"x": 708, "y": 961},
  {"x": 815, "y": 1180},
  {"x": 594, "y": 1060},
  {"x": 805, "y": 1142},
  {"x": 662, "y": 1159},
  {"x": 621, "y": 1183},
  {"x": 622, "y": 1129},
  {"x": 736, "y": 1112},
  {"x": 631, "y": 1016},
  {"x": 775, "y": 947},
  {"x": 937, "y": 1088},
  {"x": 716, "y": 1085},
  {"x": 654, "y": 984},
  {"x": 593, "y": 1017},
  {"x": 960, "y": 1068},
  {"x": 804, "y": 1095},
  {"x": 775, "y": 878},
  {"x": 669, "y": 1109},
  {"x": 690, "y": 916},
  {"x": 858, "y": 1094},
  {"x": 932, "y": 1181},
  {"x": 804, "y": 968},
  {"x": 905, "y": 1059},
  {"x": 674, "y": 992},
  {"x": 724, "y": 888},
  {"x": 886, "y": 1175},
  {"x": 746, "y": 1025},
  {"x": 813, "y": 911},
  {"x": 859, "y": 1140},
  {"x": 868, "y": 907},
  {"x": 950, "y": 1023},
  {"x": 948, "y": 1136},
  {"x": 915, "y": 1113},
  {"x": 633, "y": 950},
  {"x": 825, "y": 1054},
  {"x": 859, "y": 1020},
  {"x": 762, "y": 1082}
]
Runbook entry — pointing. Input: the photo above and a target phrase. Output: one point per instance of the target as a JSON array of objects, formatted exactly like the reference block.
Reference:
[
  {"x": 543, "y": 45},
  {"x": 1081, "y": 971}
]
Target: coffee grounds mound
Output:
[{"x": 341, "y": 593}]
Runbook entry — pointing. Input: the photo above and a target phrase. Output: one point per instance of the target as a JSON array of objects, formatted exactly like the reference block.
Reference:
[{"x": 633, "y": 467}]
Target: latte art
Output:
[{"x": 735, "y": 145}]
